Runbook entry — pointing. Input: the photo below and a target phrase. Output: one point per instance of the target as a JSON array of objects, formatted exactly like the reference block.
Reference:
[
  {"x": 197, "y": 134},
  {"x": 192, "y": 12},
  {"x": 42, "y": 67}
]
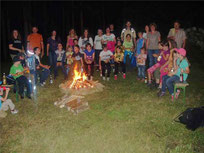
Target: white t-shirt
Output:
[
  {"x": 97, "y": 42},
  {"x": 59, "y": 55},
  {"x": 104, "y": 55},
  {"x": 108, "y": 38},
  {"x": 82, "y": 43}
]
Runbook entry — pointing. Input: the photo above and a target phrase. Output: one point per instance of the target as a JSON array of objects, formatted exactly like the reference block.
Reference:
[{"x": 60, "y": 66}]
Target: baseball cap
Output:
[{"x": 181, "y": 51}]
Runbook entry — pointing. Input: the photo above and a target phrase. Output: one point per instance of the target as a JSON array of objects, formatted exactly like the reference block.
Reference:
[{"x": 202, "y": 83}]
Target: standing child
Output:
[
  {"x": 104, "y": 62},
  {"x": 140, "y": 43},
  {"x": 60, "y": 58},
  {"x": 141, "y": 61},
  {"x": 89, "y": 55},
  {"x": 77, "y": 59},
  {"x": 98, "y": 46},
  {"x": 128, "y": 46},
  {"x": 118, "y": 59},
  {"x": 68, "y": 59}
]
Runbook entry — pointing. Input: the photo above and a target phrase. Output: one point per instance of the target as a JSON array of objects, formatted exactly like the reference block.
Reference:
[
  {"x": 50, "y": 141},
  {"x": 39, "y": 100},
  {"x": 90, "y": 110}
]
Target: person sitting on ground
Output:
[
  {"x": 41, "y": 69},
  {"x": 68, "y": 59},
  {"x": 5, "y": 103},
  {"x": 162, "y": 58},
  {"x": 141, "y": 61},
  {"x": 60, "y": 58},
  {"x": 77, "y": 59},
  {"x": 104, "y": 62},
  {"x": 118, "y": 59},
  {"x": 89, "y": 55},
  {"x": 181, "y": 68},
  {"x": 17, "y": 72}
]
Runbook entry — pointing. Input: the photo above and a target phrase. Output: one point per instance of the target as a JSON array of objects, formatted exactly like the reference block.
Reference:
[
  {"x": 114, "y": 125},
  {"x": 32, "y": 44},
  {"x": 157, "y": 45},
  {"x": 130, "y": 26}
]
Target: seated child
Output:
[
  {"x": 60, "y": 58},
  {"x": 17, "y": 72},
  {"x": 104, "y": 62},
  {"x": 41, "y": 70},
  {"x": 89, "y": 55},
  {"x": 162, "y": 58},
  {"x": 118, "y": 59},
  {"x": 141, "y": 61},
  {"x": 68, "y": 59},
  {"x": 5, "y": 103},
  {"x": 77, "y": 59}
]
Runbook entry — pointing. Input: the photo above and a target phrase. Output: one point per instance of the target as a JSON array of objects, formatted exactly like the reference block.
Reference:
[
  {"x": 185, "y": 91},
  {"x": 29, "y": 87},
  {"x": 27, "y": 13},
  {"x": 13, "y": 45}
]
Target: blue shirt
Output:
[
  {"x": 182, "y": 65},
  {"x": 139, "y": 45},
  {"x": 89, "y": 54},
  {"x": 0, "y": 102}
]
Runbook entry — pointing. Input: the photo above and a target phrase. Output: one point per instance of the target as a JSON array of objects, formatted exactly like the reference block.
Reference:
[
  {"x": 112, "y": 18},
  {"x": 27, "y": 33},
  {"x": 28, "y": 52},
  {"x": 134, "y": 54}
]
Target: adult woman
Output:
[
  {"x": 109, "y": 39},
  {"x": 153, "y": 39},
  {"x": 85, "y": 39},
  {"x": 181, "y": 68},
  {"x": 15, "y": 44},
  {"x": 146, "y": 32},
  {"x": 70, "y": 38},
  {"x": 52, "y": 44}
]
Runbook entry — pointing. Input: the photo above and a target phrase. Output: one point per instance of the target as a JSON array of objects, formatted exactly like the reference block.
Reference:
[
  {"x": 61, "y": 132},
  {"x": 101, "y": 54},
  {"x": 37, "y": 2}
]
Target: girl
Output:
[
  {"x": 77, "y": 59},
  {"x": 15, "y": 44},
  {"x": 162, "y": 59},
  {"x": 98, "y": 46},
  {"x": 68, "y": 60},
  {"x": 89, "y": 55},
  {"x": 109, "y": 40},
  {"x": 118, "y": 59},
  {"x": 129, "y": 47},
  {"x": 84, "y": 40},
  {"x": 181, "y": 67},
  {"x": 104, "y": 62},
  {"x": 70, "y": 38},
  {"x": 141, "y": 61},
  {"x": 60, "y": 58}
]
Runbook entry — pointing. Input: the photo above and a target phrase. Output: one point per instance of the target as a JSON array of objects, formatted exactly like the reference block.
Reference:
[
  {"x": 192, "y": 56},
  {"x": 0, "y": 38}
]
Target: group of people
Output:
[{"x": 163, "y": 60}]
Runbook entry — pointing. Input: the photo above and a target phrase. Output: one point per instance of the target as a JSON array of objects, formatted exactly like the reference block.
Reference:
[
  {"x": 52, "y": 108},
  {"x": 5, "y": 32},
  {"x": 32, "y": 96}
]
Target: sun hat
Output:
[{"x": 181, "y": 51}]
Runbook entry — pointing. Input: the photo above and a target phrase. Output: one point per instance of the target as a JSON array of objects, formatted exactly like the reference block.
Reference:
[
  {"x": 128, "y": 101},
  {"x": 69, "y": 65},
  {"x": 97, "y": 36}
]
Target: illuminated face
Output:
[
  {"x": 160, "y": 46},
  {"x": 75, "y": 42},
  {"x": 118, "y": 50},
  {"x": 70, "y": 49},
  {"x": 15, "y": 33},
  {"x": 140, "y": 35},
  {"x": 100, "y": 32},
  {"x": 72, "y": 32},
  {"x": 147, "y": 28},
  {"x": 107, "y": 30},
  {"x": 142, "y": 51},
  {"x": 76, "y": 49},
  {"x": 88, "y": 47},
  {"x": 35, "y": 29},
  {"x": 176, "y": 25},
  {"x": 152, "y": 28},
  {"x": 60, "y": 46},
  {"x": 111, "y": 26},
  {"x": 54, "y": 33},
  {"x": 165, "y": 47},
  {"x": 128, "y": 37},
  {"x": 119, "y": 43},
  {"x": 86, "y": 33},
  {"x": 128, "y": 24}
]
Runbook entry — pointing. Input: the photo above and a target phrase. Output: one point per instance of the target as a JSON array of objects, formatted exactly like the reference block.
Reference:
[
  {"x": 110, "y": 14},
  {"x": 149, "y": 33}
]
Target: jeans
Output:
[
  {"x": 119, "y": 64},
  {"x": 23, "y": 81},
  {"x": 168, "y": 82},
  {"x": 141, "y": 71},
  {"x": 152, "y": 59},
  {"x": 52, "y": 60},
  {"x": 97, "y": 52},
  {"x": 63, "y": 70},
  {"x": 104, "y": 67},
  {"x": 44, "y": 73}
]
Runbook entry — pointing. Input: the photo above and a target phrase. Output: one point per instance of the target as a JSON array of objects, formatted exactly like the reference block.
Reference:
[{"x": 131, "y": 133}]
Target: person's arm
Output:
[
  {"x": 99, "y": 62},
  {"x": 85, "y": 58},
  {"x": 28, "y": 42},
  {"x": 147, "y": 43},
  {"x": 6, "y": 95},
  {"x": 187, "y": 70},
  {"x": 23, "y": 50},
  {"x": 42, "y": 46},
  {"x": 184, "y": 43},
  {"x": 82, "y": 63},
  {"x": 93, "y": 56},
  {"x": 91, "y": 41},
  {"x": 13, "y": 48},
  {"x": 44, "y": 66},
  {"x": 48, "y": 47},
  {"x": 166, "y": 57}
]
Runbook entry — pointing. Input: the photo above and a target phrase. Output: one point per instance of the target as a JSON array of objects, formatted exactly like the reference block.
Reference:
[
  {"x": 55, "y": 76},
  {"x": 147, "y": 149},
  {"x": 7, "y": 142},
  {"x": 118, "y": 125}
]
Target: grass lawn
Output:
[{"x": 127, "y": 117}]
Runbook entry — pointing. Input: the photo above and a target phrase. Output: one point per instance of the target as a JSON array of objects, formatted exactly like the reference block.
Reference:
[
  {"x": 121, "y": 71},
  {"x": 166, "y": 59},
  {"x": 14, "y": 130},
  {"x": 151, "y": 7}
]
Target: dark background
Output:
[{"x": 62, "y": 16}]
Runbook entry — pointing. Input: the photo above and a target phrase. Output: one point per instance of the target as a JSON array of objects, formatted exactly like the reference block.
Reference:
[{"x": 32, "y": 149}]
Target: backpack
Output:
[{"x": 192, "y": 118}]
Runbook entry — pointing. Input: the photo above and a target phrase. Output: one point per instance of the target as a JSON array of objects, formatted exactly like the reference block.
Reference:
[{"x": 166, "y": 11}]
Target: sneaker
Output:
[
  {"x": 108, "y": 78},
  {"x": 15, "y": 111},
  {"x": 113, "y": 70},
  {"x": 177, "y": 94},
  {"x": 115, "y": 77},
  {"x": 104, "y": 78},
  {"x": 44, "y": 83},
  {"x": 124, "y": 75},
  {"x": 161, "y": 94},
  {"x": 41, "y": 84}
]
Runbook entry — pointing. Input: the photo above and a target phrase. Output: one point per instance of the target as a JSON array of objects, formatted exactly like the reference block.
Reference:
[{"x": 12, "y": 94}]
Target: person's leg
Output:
[
  {"x": 116, "y": 68},
  {"x": 154, "y": 58},
  {"x": 150, "y": 57},
  {"x": 92, "y": 69},
  {"x": 143, "y": 71},
  {"x": 123, "y": 67},
  {"x": 164, "y": 85},
  {"x": 170, "y": 83},
  {"x": 45, "y": 74},
  {"x": 27, "y": 85},
  {"x": 139, "y": 71},
  {"x": 8, "y": 104},
  {"x": 103, "y": 68},
  {"x": 21, "y": 85},
  {"x": 108, "y": 69}
]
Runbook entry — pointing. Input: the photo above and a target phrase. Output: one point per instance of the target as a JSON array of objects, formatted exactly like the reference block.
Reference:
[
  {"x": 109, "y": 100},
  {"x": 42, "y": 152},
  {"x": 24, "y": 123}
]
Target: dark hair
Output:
[
  {"x": 35, "y": 49},
  {"x": 119, "y": 47},
  {"x": 83, "y": 34},
  {"x": 77, "y": 46},
  {"x": 143, "y": 48},
  {"x": 153, "y": 24},
  {"x": 18, "y": 37},
  {"x": 128, "y": 35},
  {"x": 88, "y": 44},
  {"x": 75, "y": 39},
  {"x": 177, "y": 21},
  {"x": 104, "y": 46},
  {"x": 165, "y": 43}
]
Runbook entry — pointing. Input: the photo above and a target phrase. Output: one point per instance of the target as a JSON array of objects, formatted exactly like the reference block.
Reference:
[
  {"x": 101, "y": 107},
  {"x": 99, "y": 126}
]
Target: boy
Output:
[
  {"x": 17, "y": 72},
  {"x": 7, "y": 103},
  {"x": 77, "y": 58},
  {"x": 104, "y": 62},
  {"x": 141, "y": 59},
  {"x": 42, "y": 70}
]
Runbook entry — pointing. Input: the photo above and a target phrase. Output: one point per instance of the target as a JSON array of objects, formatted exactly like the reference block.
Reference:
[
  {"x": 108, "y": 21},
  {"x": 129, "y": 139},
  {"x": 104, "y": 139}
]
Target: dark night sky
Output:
[{"x": 64, "y": 15}]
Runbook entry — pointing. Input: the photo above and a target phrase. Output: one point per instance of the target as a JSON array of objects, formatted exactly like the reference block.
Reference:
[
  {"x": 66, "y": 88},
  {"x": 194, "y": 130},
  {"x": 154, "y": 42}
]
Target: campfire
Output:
[{"x": 80, "y": 81}]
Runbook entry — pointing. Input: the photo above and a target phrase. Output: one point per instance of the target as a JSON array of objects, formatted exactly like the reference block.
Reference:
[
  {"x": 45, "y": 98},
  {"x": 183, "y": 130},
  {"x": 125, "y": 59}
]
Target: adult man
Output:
[
  {"x": 128, "y": 30},
  {"x": 178, "y": 35},
  {"x": 35, "y": 40}
]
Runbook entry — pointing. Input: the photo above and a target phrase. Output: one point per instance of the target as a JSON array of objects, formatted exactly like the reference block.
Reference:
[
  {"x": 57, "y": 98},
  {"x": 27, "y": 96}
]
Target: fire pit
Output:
[{"x": 75, "y": 90}]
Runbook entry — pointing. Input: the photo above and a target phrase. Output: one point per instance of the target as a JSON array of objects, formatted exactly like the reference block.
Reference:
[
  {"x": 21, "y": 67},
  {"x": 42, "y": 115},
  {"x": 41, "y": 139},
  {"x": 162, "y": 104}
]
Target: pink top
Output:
[
  {"x": 71, "y": 41},
  {"x": 111, "y": 46}
]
